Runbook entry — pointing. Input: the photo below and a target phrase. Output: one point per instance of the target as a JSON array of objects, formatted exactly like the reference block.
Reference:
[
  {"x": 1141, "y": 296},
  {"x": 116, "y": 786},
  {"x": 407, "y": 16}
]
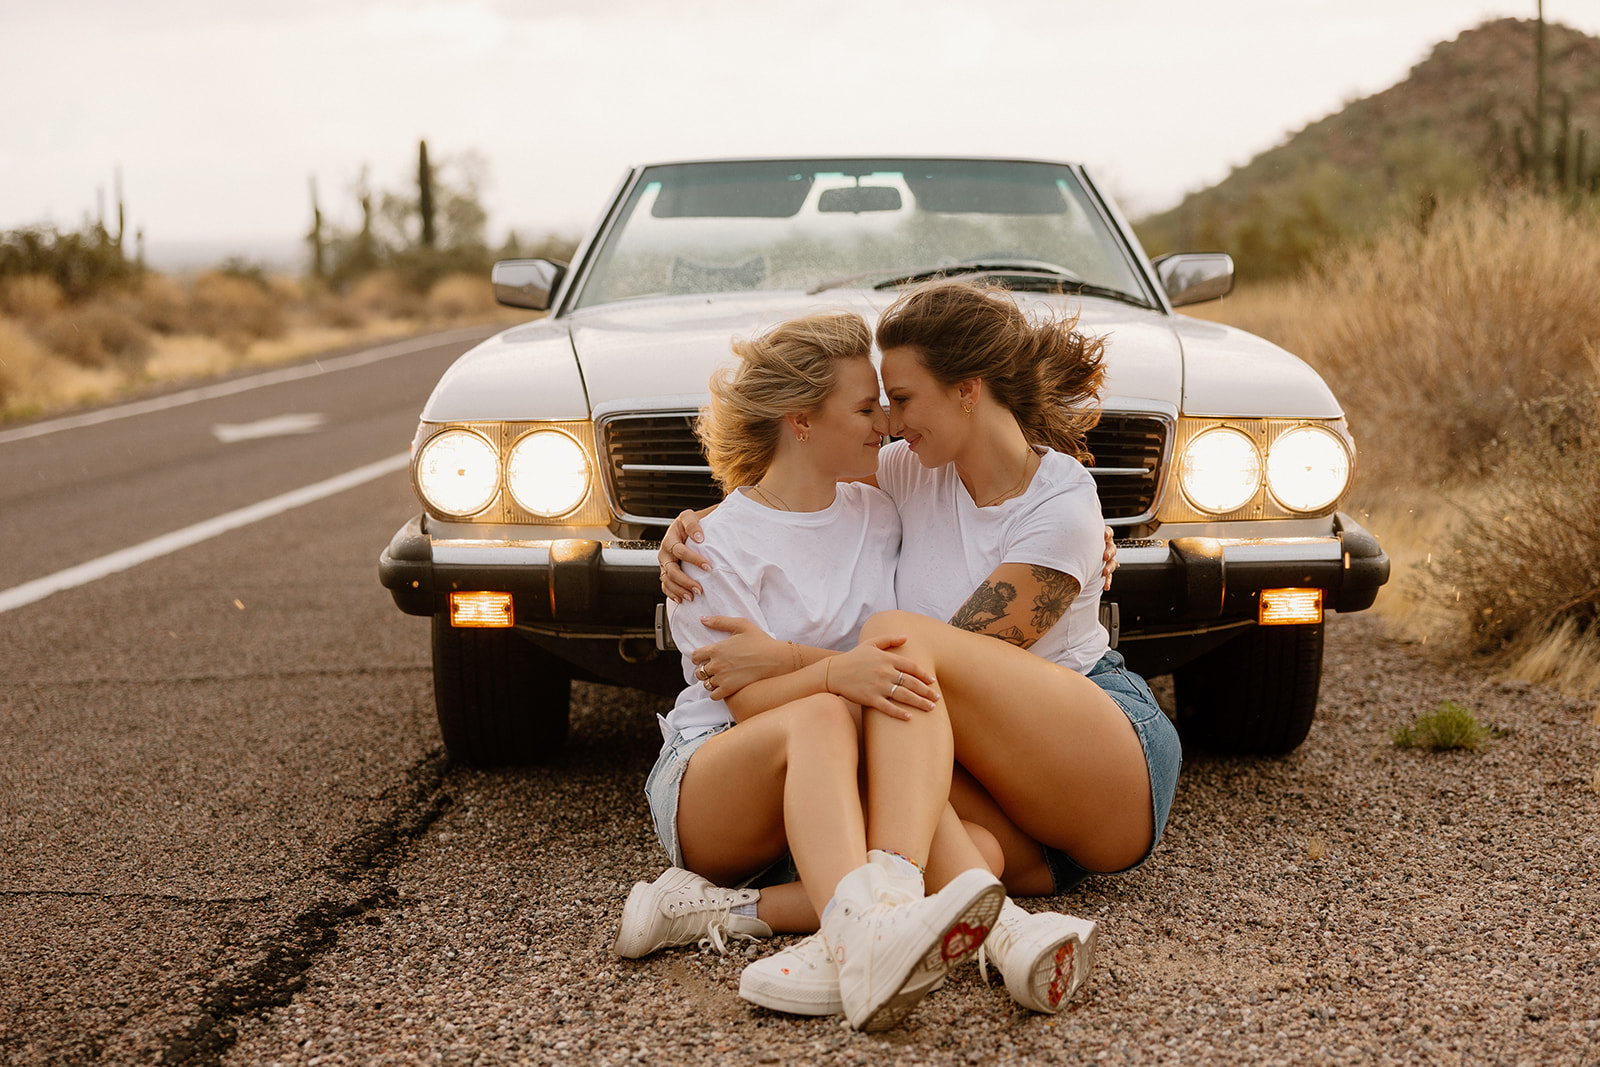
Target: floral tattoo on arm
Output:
[
  {"x": 1057, "y": 591},
  {"x": 987, "y": 605},
  {"x": 987, "y": 608}
]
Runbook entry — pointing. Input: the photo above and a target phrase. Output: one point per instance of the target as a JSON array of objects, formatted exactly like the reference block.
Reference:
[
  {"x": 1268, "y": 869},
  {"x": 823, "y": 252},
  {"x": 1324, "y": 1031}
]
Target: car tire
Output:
[
  {"x": 1254, "y": 695},
  {"x": 501, "y": 699}
]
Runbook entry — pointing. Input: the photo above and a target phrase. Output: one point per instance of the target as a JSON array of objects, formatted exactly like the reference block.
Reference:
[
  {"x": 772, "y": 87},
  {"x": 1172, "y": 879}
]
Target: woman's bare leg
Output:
[
  {"x": 908, "y": 766},
  {"x": 783, "y": 779},
  {"x": 1054, "y": 751},
  {"x": 960, "y": 846},
  {"x": 1024, "y": 870}
]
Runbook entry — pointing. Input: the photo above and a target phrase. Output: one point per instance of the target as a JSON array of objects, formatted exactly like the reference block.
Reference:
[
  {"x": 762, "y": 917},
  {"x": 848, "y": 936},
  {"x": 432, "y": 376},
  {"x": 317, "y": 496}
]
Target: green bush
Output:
[
  {"x": 81, "y": 263},
  {"x": 1449, "y": 726}
]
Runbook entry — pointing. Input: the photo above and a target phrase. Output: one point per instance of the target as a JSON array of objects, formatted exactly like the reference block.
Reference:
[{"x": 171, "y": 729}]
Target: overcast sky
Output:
[{"x": 218, "y": 112}]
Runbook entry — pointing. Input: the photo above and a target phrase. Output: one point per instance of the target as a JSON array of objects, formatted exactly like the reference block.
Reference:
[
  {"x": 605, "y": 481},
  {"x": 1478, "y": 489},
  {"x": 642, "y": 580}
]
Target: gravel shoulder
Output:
[{"x": 1349, "y": 903}]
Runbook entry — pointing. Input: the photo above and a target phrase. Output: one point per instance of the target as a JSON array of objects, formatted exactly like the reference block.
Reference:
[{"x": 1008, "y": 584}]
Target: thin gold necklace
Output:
[
  {"x": 1013, "y": 490},
  {"x": 771, "y": 498}
]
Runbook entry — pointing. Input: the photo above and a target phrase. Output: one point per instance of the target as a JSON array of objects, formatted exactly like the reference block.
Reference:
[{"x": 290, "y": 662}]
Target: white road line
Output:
[
  {"x": 277, "y": 426},
  {"x": 84, "y": 573},
  {"x": 237, "y": 385}
]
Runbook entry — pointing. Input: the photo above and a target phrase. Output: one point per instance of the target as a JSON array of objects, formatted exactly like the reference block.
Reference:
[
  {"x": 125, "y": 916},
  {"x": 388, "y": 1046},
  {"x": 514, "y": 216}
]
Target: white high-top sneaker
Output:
[
  {"x": 680, "y": 907},
  {"x": 891, "y": 947},
  {"x": 1045, "y": 957},
  {"x": 801, "y": 980}
]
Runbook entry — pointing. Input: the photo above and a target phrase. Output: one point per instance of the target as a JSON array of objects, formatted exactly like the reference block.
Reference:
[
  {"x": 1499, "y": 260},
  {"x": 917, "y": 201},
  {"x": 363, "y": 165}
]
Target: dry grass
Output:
[
  {"x": 1468, "y": 361},
  {"x": 56, "y": 354},
  {"x": 1564, "y": 656},
  {"x": 1433, "y": 341}
]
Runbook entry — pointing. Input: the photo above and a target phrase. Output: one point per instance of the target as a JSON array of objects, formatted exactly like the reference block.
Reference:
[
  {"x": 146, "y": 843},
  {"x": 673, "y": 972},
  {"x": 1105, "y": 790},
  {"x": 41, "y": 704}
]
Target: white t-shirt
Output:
[
  {"x": 949, "y": 545},
  {"x": 813, "y": 577}
]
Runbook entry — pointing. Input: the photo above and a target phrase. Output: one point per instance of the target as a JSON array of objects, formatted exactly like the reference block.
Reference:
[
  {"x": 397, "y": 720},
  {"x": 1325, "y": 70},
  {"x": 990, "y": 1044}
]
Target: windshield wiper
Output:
[
  {"x": 899, "y": 276},
  {"x": 1061, "y": 275},
  {"x": 1026, "y": 275},
  {"x": 1047, "y": 284}
]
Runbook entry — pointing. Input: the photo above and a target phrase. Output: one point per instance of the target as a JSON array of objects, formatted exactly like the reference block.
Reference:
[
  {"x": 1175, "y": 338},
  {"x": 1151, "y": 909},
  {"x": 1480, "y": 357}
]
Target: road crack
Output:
[{"x": 364, "y": 860}]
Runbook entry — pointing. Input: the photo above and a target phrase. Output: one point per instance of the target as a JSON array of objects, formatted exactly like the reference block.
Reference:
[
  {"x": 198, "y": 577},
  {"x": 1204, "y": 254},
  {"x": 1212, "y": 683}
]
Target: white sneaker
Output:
[
  {"x": 1045, "y": 957},
  {"x": 892, "y": 947},
  {"x": 681, "y": 907},
  {"x": 801, "y": 980}
]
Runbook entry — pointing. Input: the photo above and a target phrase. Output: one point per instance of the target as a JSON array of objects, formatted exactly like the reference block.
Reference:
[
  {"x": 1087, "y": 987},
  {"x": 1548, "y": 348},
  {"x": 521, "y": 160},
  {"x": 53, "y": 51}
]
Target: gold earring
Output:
[
  {"x": 966, "y": 410},
  {"x": 802, "y": 437}
]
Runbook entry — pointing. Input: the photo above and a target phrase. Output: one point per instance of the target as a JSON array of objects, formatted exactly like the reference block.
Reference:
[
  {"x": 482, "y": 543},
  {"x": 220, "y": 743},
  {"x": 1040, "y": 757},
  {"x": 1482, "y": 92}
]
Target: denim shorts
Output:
[
  {"x": 1163, "y": 755},
  {"x": 661, "y": 789},
  {"x": 664, "y": 781}
]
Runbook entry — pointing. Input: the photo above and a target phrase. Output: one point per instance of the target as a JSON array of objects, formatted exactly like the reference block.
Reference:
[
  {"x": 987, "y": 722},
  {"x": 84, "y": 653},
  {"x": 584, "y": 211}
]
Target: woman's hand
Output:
[
  {"x": 875, "y": 677},
  {"x": 676, "y": 550},
  {"x": 1109, "y": 560},
  {"x": 734, "y": 662}
]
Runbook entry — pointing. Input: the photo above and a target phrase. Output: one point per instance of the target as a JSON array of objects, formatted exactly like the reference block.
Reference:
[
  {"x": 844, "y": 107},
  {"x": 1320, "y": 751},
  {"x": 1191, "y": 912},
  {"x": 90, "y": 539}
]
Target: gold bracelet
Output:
[
  {"x": 827, "y": 665},
  {"x": 796, "y": 649}
]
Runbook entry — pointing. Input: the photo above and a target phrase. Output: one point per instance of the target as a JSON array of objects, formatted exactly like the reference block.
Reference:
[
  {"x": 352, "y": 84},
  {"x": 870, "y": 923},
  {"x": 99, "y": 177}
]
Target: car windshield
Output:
[{"x": 815, "y": 225}]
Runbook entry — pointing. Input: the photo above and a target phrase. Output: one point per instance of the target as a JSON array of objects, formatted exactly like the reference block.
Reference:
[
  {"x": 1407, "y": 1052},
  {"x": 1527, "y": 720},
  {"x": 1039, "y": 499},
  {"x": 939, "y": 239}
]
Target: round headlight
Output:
[
  {"x": 1220, "y": 470},
  {"x": 1307, "y": 468},
  {"x": 458, "y": 473},
  {"x": 548, "y": 473}
]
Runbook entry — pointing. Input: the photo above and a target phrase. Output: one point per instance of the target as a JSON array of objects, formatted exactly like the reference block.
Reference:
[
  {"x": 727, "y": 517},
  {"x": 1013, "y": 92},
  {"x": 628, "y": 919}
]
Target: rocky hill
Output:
[{"x": 1461, "y": 120}]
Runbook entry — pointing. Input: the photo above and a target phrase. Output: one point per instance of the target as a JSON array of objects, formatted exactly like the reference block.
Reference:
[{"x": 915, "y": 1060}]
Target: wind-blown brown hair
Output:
[
  {"x": 1046, "y": 373},
  {"x": 789, "y": 370}
]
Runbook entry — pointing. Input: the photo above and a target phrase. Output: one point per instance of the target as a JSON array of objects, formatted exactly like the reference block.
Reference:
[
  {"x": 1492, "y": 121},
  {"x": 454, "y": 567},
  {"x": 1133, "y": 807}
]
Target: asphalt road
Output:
[{"x": 228, "y": 834}]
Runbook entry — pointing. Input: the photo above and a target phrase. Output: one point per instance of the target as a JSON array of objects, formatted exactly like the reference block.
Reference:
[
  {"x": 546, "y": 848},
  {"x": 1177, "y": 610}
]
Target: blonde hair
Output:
[
  {"x": 789, "y": 370},
  {"x": 1046, "y": 373}
]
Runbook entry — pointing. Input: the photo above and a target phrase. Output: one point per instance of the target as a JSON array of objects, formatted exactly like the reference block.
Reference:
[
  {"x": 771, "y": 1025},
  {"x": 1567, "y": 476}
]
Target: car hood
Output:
[{"x": 658, "y": 354}]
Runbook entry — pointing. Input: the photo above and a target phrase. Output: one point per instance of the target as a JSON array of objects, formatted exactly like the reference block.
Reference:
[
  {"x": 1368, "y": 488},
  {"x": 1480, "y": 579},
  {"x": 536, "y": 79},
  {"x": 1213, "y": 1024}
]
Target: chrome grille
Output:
[
  {"x": 654, "y": 467},
  {"x": 1128, "y": 452}
]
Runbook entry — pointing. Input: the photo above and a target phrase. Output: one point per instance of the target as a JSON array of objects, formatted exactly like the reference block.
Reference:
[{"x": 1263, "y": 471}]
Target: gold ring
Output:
[{"x": 701, "y": 673}]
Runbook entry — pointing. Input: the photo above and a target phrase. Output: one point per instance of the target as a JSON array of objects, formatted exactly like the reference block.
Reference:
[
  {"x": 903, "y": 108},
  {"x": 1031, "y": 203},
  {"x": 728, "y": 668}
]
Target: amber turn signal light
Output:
[
  {"x": 1290, "y": 607},
  {"x": 481, "y": 609}
]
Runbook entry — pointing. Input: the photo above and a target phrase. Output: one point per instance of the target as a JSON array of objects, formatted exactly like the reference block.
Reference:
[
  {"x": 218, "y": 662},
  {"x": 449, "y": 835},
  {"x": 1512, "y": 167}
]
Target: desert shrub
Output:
[
  {"x": 1435, "y": 340},
  {"x": 1526, "y": 553},
  {"x": 21, "y": 359},
  {"x": 330, "y": 309},
  {"x": 31, "y": 297},
  {"x": 82, "y": 263},
  {"x": 94, "y": 334},
  {"x": 461, "y": 295},
  {"x": 1449, "y": 726},
  {"x": 384, "y": 294},
  {"x": 160, "y": 303},
  {"x": 233, "y": 309}
]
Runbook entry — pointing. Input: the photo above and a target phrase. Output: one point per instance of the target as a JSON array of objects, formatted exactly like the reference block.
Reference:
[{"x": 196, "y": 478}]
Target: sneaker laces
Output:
[
  {"x": 717, "y": 934},
  {"x": 996, "y": 936}
]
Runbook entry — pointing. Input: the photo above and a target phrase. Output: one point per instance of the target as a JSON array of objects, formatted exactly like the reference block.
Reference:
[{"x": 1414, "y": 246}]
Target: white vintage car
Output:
[{"x": 550, "y": 458}]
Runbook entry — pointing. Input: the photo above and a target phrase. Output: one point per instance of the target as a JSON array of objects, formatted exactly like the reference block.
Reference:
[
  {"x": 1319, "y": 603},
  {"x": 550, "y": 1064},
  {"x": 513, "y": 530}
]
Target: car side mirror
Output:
[
  {"x": 1195, "y": 277},
  {"x": 526, "y": 283}
]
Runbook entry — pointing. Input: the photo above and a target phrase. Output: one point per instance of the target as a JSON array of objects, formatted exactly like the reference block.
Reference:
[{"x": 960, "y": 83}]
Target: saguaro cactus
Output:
[
  {"x": 425, "y": 195},
  {"x": 319, "y": 267}
]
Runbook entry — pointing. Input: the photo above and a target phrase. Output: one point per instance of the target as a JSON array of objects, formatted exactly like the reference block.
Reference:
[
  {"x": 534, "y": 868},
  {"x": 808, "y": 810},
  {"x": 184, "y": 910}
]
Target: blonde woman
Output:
[
  {"x": 1063, "y": 754},
  {"x": 844, "y": 761}
]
